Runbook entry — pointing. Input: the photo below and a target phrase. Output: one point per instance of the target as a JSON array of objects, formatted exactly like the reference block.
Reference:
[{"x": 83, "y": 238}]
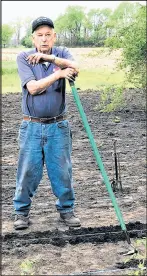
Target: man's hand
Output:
[
  {"x": 68, "y": 73},
  {"x": 38, "y": 58}
]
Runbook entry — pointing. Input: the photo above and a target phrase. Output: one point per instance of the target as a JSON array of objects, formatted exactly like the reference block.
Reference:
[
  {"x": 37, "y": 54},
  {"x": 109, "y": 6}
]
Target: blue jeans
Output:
[{"x": 50, "y": 144}]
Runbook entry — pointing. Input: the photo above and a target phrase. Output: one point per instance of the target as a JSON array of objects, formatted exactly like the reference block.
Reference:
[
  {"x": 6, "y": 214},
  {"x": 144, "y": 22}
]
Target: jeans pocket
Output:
[
  {"x": 22, "y": 131},
  {"x": 24, "y": 124},
  {"x": 63, "y": 124}
]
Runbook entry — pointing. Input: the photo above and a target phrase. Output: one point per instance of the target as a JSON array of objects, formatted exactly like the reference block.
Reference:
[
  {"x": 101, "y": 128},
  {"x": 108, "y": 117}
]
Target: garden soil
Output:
[{"x": 50, "y": 248}]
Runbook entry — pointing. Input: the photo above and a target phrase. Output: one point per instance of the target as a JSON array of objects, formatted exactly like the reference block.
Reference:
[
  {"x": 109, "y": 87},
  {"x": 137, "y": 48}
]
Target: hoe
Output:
[{"x": 101, "y": 167}]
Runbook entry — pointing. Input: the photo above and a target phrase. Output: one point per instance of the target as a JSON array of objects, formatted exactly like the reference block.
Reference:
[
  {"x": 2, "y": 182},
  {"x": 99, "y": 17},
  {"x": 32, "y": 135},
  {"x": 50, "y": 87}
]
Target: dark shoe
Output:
[
  {"x": 69, "y": 219},
  {"x": 21, "y": 222}
]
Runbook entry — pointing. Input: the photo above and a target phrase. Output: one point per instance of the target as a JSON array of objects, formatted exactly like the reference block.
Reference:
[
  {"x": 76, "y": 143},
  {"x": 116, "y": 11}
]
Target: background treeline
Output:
[
  {"x": 124, "y": 28},
  {"x": 76, "y": 28}
]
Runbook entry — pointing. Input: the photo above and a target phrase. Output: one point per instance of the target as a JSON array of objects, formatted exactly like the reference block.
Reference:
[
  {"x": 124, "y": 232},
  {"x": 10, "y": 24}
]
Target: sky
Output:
[{"x": 12, "y": 10}]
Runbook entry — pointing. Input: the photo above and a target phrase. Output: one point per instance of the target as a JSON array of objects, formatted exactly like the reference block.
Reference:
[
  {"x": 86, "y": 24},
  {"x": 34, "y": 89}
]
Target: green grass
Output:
[
  {"x": 10, "y": 78},
  {"x": 97, "y": 78},
  {"x": 10, "y": 83},
  {"x": 87, "y": 79}
]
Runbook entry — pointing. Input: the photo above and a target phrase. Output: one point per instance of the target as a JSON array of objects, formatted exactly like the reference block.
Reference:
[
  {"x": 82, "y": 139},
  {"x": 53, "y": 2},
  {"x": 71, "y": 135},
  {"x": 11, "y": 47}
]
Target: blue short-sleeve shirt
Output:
[{"x": 51, "y": 102}]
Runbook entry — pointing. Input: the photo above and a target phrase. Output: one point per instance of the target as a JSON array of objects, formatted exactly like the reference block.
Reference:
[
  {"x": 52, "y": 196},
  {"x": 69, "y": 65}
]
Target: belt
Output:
[{"x": 45, "y": 120}]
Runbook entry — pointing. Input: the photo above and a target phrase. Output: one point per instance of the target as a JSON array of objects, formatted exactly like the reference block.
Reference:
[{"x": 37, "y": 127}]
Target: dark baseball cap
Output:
[{"x": 42, "y": 21}]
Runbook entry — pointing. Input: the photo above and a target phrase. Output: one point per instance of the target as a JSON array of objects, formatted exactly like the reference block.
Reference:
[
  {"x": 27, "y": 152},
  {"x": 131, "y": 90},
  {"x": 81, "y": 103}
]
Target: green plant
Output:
[
  {"x": 141, "y": 256},
  {"x": 27, "y": 267},
  {"x": 7, "y": 32},
  {"x": 111, "y": 98}
]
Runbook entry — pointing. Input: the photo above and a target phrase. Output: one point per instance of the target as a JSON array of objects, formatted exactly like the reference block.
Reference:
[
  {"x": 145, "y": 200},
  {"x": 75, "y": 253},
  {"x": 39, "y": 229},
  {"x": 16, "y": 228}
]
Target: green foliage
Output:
[
  {"x": 141, "y": 255},
  {"x": 131, "y": 36},
  {"x": 69, "y": 25},
  {"x": 98, "y": 19},
  {"x": 77, "y": 28},
  {"x": 113, "y": 42},
  {"x": 27, "y": 42},
  {"x": 111, "y": 98},
  {"x": 7, "y": 32},
  {"x": 123, "y": 14},
  {"x": 134, "y": 53},
  {"x": 96, "y": 28},
  {"x": 118, "y": 22},
  {"x": 27, "y": 267}
]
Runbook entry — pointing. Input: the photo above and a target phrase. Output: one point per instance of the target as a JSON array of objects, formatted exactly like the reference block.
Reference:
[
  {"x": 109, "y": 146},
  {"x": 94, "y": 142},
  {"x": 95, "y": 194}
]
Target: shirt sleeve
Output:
[
  {"x": 24, "y": 70},
  {"x": 67, "y": 55}
]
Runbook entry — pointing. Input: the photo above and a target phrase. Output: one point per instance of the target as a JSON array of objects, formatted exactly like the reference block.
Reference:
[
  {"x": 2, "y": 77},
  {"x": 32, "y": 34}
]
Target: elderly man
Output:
[{"x": 45, "y": 133}]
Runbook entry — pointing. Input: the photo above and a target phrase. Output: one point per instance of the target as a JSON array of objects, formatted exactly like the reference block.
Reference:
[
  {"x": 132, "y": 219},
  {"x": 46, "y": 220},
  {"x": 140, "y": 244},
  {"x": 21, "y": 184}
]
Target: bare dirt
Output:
[{"x": 49, "y": 248}]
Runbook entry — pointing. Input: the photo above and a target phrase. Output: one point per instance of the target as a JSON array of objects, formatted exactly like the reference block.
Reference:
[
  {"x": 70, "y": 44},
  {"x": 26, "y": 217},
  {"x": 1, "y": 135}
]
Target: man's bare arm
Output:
[
  {"x": 64, "y": 63},
  {"x": 37, "y": 87},
  {"x": 60, "y": 62}
]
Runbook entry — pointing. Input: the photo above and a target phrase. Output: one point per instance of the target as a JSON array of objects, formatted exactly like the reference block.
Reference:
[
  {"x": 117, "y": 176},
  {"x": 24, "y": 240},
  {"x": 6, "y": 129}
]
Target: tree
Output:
[
  {"x": 99, "y": 19},
  {"x": 7, "y": 32},
  {"x": 17, "y": 25},
  {"x": 74, "y": 16},
  {"x": 69, "y": 25},
  {"x": 26, "y": 40},
  {"x": 62, "y": 31},
  {"x": 134, "y": 49},
  {"x": 134, "y": 60},
  {"x": 122, "y": 17}
]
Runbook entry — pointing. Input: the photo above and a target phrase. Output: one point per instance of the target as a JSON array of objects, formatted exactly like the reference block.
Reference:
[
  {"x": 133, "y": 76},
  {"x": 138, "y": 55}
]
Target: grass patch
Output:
[
  {"x": 9, "y": 67},
  {"x": 10, "y": 84},
  {"x": 10, "y": 78},
  {"x": 87, "y": 79},
  {"x": 96, "y": 79}
]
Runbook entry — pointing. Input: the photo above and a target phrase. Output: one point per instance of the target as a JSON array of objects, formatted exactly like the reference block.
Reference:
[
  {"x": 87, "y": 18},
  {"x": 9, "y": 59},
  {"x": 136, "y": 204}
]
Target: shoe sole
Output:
[
  {"x": 20, "y": 227},
  {"x": 69, "y": 224}
]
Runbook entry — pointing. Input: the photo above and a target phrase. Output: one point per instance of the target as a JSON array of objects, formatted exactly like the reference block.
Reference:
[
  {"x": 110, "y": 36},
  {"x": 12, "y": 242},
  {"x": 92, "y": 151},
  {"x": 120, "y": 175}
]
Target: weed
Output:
[
  {"x": 111, "y": 98},
  {"x": 27, "y": 267},
  {"x": 141, "y": 256}
]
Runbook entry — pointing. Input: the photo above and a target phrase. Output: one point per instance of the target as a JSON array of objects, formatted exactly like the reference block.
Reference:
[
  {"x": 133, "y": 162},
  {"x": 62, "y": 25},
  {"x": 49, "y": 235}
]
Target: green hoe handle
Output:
[{"x": 97, "y": 156}]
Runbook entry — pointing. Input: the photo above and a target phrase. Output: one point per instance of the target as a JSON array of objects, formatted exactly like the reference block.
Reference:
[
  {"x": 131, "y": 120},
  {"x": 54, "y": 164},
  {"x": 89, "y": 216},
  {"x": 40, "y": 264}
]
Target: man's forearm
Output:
[
  {"x": 64, "y": 63},
  {"x": 60, "y": 62},
  {"x": 37, "y": 87}
]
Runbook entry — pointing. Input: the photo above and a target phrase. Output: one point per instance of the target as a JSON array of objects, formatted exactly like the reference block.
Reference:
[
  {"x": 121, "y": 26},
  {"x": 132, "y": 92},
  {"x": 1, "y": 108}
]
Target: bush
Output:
[
  {"x": 111, "y": 98},
  {"x": 134, "y": 50},
  {"x": 27, "y": 42},
  {"x": 132, "y": 38}
]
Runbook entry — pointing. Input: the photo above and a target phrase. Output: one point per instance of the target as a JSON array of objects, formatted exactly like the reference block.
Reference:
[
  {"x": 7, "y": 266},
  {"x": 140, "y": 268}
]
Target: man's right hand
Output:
[
  {"x": 38, "y": 58},
  {"x": 68, "y": 73}
]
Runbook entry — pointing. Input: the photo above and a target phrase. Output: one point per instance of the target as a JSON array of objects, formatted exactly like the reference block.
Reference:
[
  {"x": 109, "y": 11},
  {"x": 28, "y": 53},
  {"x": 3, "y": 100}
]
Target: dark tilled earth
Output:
[{"x": 50, "y": 248}]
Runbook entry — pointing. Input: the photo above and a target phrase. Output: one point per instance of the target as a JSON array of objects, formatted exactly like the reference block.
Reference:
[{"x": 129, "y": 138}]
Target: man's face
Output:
[{"x": 44, "y": 38}]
